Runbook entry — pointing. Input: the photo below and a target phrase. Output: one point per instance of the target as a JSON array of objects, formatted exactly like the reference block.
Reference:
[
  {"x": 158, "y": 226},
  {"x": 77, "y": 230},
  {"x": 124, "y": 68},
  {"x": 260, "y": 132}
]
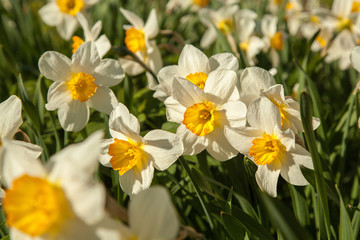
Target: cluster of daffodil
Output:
[{"x": 218, "y": 107}]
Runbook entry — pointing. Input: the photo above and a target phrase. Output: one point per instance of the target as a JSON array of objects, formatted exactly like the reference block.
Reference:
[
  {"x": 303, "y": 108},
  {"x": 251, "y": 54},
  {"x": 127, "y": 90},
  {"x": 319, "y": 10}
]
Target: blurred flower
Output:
[
  {"x": 151, "y": 216},
  {"x": 134, "y": 156},
  {"x": 194, "y": 66},
  {"x": 272, "y": 38},
  {"x": 293, "y": 15},
  {"x": 223, "y": 19},
  {"x": 194, "y": 5},
  {"x": 102, "y": 43},
  {"x": 62, "y": 203},
  {"x": 204, "y": 113},
  {"x": 138, "y": 40},
  {"x": 274, "y": 151},
  {"x": 61, "y": 13},
  {"x": 321, "y": 41},
  {"x": 80, "y": 83},
  {"x": 275, "y": 5},
  {"x": 256, "y": 82}
]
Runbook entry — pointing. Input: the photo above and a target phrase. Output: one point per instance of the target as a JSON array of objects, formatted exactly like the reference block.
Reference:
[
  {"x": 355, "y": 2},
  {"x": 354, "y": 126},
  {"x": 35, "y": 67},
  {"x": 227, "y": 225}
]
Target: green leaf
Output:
[
  {"x": 345, "y": 228},
  {"x": 356, "y": 222},
  {"x": 233, "y": 226},
  {"x": 299, "y": 203}
]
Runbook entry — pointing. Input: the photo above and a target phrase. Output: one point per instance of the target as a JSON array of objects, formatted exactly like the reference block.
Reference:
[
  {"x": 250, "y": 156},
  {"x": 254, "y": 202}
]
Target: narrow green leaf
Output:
[
  {"x": 356, "y": 222},
  {"x": 345, "y": 228},
  {"x": 233, "y": 226},
  {"x": 301, "y": 209},
  {"x": 201, "y": 182}
]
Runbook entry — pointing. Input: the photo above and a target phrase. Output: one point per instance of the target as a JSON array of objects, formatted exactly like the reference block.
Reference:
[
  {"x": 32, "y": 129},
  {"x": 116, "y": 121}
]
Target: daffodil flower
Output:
[
  {"x": 194, "y": 66},
  {"x": 194, "y": 5},
  {"x": 138, "y": 40},
  {"x": 134, "y": 156},
  {"x": 294, "y": 16},
  {"x": 273, "y": 150},
  {"x": 61, "y": 13},
  {"x": 203, "y": 114},
  {"x": 102, "y": 43},
  {"x": 80, "y": 83},
  {"x": 256, "y": 82},
  {"x": 223, "y": 19},
  {"x": 274, "y": 6},
  {"x": 59, "y": 201}
]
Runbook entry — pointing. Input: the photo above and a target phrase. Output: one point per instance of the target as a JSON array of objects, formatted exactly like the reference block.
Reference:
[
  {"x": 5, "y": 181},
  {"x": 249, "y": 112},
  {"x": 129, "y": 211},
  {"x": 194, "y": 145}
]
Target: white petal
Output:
[
  {"x": 208, "y": 38},
  {"x": 67, "y": 26},
  {"x": 186, "y": 93},
  {"x": 137, "y": 22},
  {"x": 132, "y": 183},
  {"x": 221, "y": 84},
  {"x": 355, "y": 58},
  {"x": 10, "y": 117},
  {"x": 85, "y": 26},
  {"x": 103, "y": 100},
  {"x": 108, "y": 73},
  {"x": 96, "y": 29},
  {"x": 241, "y": 138},
  {"x": 151, "y": 28},
  {"x": 152, "y": 215},
  {"x": 131, "y": 67},
  {"x": 174, "y": 110},
  {"x": 111, "y": 229},
  {"x": 263, "y": 114},
  {"x": 341, "y": 8},
  {"x": 55, "y": 66},
  {"x": 85, "y": 59},
  {"x": 275, "y": 93},
  {"x": 268, "y": 25},
  {"x": 73, "y": 116},
  {"x": 267, "y": 178},
  {"x": 154, "y": 63},
  {"x": 219, "y": 147},
  {"x": 253, "y": 80},
  {"x": 165, "y": 77},
  {"x": 2, "y": 195},
  {"x": 30, "y": 150},
  {"x": 50, "y": 14},
  {"x": 192, "y": 60},
  {"x": 290, "y": 167},
  {"x": 121, "y": 112},
  {"x": 234, "y": 114},
  {"x": 163, "y": 147},
  {"x": 223, "y": 61},
  {"x": 103, "y": 45},
  {"x": 58, "y": 95},
  {"x": 193, "y": 144},
  {"x": 105, "y": 158}
]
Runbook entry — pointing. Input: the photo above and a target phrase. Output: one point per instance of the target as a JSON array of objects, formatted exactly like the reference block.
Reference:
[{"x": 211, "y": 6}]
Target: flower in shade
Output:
[
  {"x": 135, "y": 157},
  {"x": 274, "y": 151},
  {"x": 59, "y": 201},
  {"x": 102, "y": 43},
  {"x": 138, "y": 40},
  {"x": 80, "y": 83},
  {"x": 61, "y": 13},
  {"x": 194, "y": 66},
  {"x": 152, "y": 216},
  {"x": 203, "y": 114}
]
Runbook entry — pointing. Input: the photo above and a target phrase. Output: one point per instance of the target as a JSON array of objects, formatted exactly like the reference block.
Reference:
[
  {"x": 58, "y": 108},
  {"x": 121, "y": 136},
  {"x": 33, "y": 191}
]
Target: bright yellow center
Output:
[
  {"x": 314, "y": 19},
  {"x": 200, "y": 118},
  {"x": 201, "y": 3},
  {"x": 267, "y": 149},
  {"x": 289, "y": 6},
  {"x": 135, "y": 40},
  {"x": 198, "y": 78},
  {"x": 35, "y": 206},
  {"x": 126, "y": 155},
  {"x": 355, "y": 7},
  {"x": 244, "y": 46},
  {"x": 276, "y": 41},
  {"x": 77, "y": 41},
  {"x": 81, "y": 86},
  {"x": 226, "y": 26},
  {"x": 71, "y": 7},
  {"x": 357, "y": 42},
  {"x": 344, "y": 23},
  {"x": 321, "y": 41}
]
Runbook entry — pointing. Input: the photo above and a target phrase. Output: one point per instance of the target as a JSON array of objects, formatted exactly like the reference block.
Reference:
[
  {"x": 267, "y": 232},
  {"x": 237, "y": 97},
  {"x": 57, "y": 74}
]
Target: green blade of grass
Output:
[{"x": 345, "y": 228}]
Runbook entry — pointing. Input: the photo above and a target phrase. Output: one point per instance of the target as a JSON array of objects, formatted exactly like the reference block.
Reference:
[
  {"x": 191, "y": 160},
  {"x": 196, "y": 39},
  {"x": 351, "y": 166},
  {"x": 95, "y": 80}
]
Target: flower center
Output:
[
  {"x": 314, "y": 19},
  {"x": 81, "y": 86},
  {"x": 289, "y": 6},
  {"x": 126, "y": 155},
  {"x": 321, "y": 41},
  {"x": 35, "y": 206},
  {"x": 355, "y": 7},
  {"x": 226, "y": 26},
  {"x": 77, "y": 41},
  {"x": 244, "y": 46},
  {"x": 201, "y": 3},
  {"x": 344, "y": 23},
  {"x": 71, "y": 7},
  {"x": 199, "y": 118},
  {"x": 135, "y": 40},
  {"x": 266, "y": 149},
  {"x": 198, "y": 78},
  {"x": 276, "y": 41}
]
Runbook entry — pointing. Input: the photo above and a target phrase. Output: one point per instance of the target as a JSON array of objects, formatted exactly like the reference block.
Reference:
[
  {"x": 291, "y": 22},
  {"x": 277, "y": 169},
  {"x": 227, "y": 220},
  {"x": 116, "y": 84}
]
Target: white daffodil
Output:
[
  {"x": 223, "y": 19},
  {"x": 272, "y": 38},
  {"x": 322, "y": 41},
  {"x": 250, "y": 44},
  {"x": 204, "y": 113},
  {"x": 256, "y": 82},
  {"x": 294, "y": 16},
  {"x": 138, "y": 40},
  {"x": 194, "y": 5},
  {"x": 59, "y": 201},
  {"x": 152, "y": 216},
  {"x": 275, "y": 5},
  {"x": 80, "y": 83},
  {"x": 134, "y": 156},
  {"x": 274, "y": 151},
  {"x": 194, "y": 66},
  {"x": 102, "y": 43},
  {"x": 61, "y": 13}
]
